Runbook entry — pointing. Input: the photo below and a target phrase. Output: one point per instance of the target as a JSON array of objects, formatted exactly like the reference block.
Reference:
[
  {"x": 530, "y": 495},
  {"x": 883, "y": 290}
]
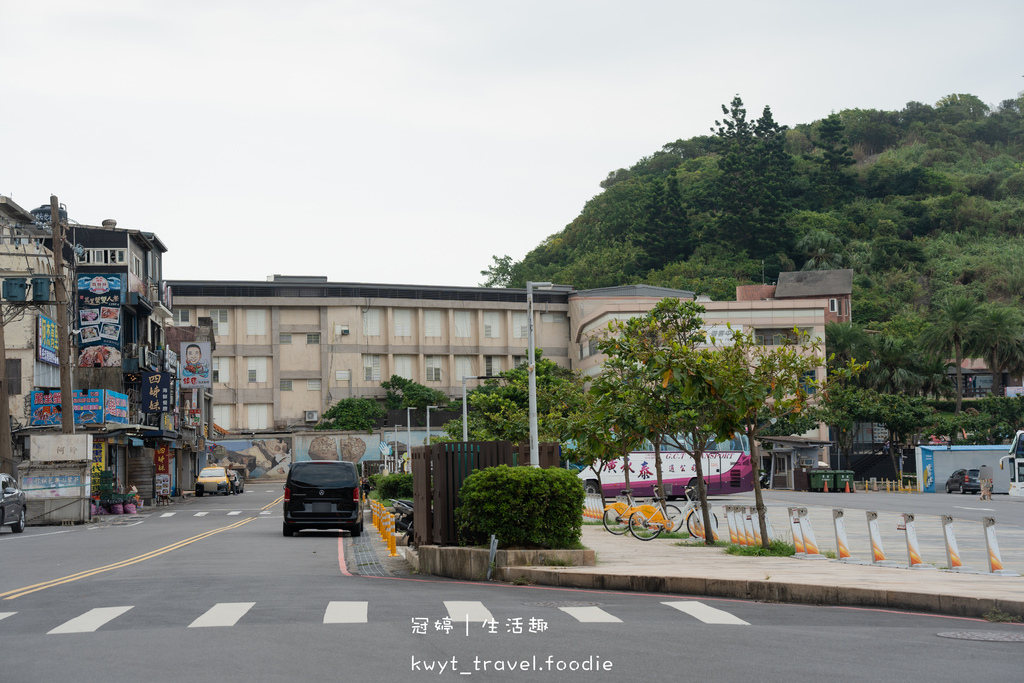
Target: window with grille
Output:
[
  {"x": 219, "y": 369},
  {"x": 403, "y": 322},
  {"x": 403, "y": 366},
  {"x": 371, "y": 322},
  {"x": 220, "y": 322},
  {"x": 257, "y": 369},
  {"x": 552, "y": 317},
  {"x": 313, "y": 338},
  {"x": 286, "y": 385},
  {"x": 492, "y": 365},
  {"x": 371, "y": 368},
  {"x": 13, "y": 378},
  {"x": 833, "y": 305},
  {"x": 518, "y": 360},
  {"x": 255, "y": 322},
  {"x": 285, "y": 338},
  {"x": 433, "y": 368},
  {"x": 492, "y": 324},
  {"x": 312, "y": 385},
  {"x": 182, "y": 316},
  {"x": 222, "y": 416},
  {"x": 463, "y": 324},
  {"x": 520, "y": 329},
  {"x": 463, "y": 367},
  {"x": 259, "y": 415},
  {"x": 432, "y": 323}
]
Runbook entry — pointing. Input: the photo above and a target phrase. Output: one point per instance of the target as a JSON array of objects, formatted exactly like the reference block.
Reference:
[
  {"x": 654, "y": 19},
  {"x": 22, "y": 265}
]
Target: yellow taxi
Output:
[{"x": 213, "y": 480}]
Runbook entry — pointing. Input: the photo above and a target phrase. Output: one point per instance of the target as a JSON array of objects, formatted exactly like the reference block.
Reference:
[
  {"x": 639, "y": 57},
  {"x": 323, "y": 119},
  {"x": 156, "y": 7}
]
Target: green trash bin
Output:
[
  {"x": 844, "y": 477},
  {"x": 819, "y": 477}
]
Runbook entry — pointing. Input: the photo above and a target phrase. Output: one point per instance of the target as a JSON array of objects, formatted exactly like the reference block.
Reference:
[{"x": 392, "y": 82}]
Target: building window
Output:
[
  {"x": 371, "y": 368},
  {"x": 102, "y": 257},
  {"x": 258, "y": 369},
  {"x": 777, "y": 336},
  {"x": 552, "y": 317},
  {"x": 285, "y": 338},
  {"x": 371, "y": 322},
  {"x": 219, "y": 369},
  {"x": 13, "y": 377},
  {"x": 463, "y": 324},
  {"x": 463, "y": 367},
  {"x": 433, "y": 368},
  {"x": 403, "y": 322},
  {"x": 220, "y": 322},
  {"x": 492, "y": 365},
  {"x": 258, "y": 416},
  {"x": 518, "y": 360},
  {"x": 286, "y": 385},
  {"x": 432, "y": 323},
  {"x": 256, "y": 323},
  {"x": 313, "y": 338},
  {"x": 833, "y": 305},
  {"x": 403, "y": 366},
  {"x": 807, "y": 382},
  {"x": 492, "y": 324},
  {"x": 520, "y": 330},
  {"x": 136, "y": 265},
  {"x": 312, "y": 385},
  {"x": 222, "y": 416},
  {"x": 342, "y": 375},
  {"x": 182, "y": 316}
]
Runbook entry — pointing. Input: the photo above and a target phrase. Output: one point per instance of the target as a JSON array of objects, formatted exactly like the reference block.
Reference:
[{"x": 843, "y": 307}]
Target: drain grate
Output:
[
  {"x": 563, "y": 604},
  {"x": 991, "y": 636}
]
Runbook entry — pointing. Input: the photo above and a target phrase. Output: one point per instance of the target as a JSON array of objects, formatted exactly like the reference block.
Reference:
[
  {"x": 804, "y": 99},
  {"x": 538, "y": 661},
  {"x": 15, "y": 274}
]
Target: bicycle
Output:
[
  {"x": 616, "y": 515},
  {"x": 694, "y": 517},
  {"x": 646, "y": 522}
]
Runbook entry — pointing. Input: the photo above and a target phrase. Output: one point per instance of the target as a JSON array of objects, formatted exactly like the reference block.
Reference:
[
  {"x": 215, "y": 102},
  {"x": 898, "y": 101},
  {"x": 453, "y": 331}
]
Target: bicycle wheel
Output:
[
  {"x": 695, "y": 523},
  {"x": 642, "y": 529},
  {"x": 614, "y": 523},
  {"x": 675, "y": 515}
]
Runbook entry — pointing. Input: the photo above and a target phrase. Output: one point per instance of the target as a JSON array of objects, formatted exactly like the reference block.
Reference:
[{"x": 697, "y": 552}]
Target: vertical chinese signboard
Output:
[
  {"x": 156, "y": 392},
  {"x": 194, "y": 366},
  {"x": 47, "y": 341},
  {"x": 162, "y": 463},
  {"x": 99, "y": 463},
  {"x": 99, "y": 321}
]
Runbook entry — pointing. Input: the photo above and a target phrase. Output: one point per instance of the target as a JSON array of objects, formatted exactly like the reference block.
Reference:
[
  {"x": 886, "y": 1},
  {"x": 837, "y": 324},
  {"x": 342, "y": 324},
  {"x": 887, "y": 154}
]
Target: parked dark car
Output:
[
  {"x": 964, "y": 481},
  {"x": 322, "y": 494},
  {"x": 12, "y": 504}
]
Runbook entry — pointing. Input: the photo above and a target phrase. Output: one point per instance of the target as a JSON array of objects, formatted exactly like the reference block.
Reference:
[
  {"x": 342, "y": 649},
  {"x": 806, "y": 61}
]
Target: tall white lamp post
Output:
[
  {"x": 408, "y": 431},
  {"x": 531, "y": 368},
  {"x": 465, "y": 412},
  {"x": 428, "y": 423}
]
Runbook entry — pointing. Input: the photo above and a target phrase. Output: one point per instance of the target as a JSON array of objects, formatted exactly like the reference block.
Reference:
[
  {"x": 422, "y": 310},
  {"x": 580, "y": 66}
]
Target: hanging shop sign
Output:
[
  {"x": 156, "y": 392},
  {"x": 99, "y": 321}
]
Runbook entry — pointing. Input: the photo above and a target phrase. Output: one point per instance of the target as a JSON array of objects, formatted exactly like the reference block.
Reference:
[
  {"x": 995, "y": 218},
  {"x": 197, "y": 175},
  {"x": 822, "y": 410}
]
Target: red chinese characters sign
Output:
[{"x": 162, "y": 459}]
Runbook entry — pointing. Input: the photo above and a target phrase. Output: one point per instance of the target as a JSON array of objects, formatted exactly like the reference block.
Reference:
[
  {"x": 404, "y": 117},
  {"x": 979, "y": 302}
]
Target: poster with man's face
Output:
[{"x": 195, "y": 365}]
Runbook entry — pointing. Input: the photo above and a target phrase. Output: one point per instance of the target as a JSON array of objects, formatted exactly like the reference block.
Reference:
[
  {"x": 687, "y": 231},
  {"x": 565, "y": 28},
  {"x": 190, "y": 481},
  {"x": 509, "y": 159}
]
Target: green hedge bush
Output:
[
  {"x": 524, "y": 507},
  {"x": 395, "y": 486}
]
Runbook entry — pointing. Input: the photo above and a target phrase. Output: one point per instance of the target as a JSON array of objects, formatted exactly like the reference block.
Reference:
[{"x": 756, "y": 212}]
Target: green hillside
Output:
[{"x": 915, "y": 201}]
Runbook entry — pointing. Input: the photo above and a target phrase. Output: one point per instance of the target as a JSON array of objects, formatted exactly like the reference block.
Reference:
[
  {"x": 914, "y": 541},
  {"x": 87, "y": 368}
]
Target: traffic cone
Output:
[
  {"x": 847, "y": 486},
  {"x": 825, "y": 481}
]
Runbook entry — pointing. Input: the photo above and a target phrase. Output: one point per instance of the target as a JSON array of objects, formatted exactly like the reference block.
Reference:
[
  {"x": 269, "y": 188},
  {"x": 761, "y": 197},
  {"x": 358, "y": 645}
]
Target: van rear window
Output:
[{"x": 332, "y": 475}]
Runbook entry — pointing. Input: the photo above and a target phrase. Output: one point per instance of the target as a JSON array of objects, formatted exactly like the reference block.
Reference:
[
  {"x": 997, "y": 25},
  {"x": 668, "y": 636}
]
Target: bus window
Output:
[{"x": 1020, "y": 470}]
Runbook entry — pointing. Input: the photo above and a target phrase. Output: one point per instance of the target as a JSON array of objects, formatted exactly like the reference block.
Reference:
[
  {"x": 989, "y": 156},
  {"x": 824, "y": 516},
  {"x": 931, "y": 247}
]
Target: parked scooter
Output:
[{"x": 403, "y": 519}]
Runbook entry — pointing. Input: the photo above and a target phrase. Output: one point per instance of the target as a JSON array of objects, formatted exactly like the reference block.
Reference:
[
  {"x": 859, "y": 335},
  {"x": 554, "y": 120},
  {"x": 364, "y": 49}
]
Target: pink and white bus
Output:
[{"x": 727, "y": 469}]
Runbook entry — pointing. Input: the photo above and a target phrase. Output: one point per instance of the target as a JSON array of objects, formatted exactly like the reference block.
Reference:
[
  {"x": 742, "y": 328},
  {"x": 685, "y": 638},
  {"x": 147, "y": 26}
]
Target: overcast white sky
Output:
[{"x": 409, "y": 141}]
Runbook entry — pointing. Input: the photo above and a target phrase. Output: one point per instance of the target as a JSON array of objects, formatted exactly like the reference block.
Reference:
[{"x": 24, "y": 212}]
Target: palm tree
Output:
[
  {"x": 999, "y": 339},
  {"x": 823, "y": 250},
  {"x": 954, "y": 321},
  {"x": 893, "y": 368},
  {"x": 846, "y": 341}
]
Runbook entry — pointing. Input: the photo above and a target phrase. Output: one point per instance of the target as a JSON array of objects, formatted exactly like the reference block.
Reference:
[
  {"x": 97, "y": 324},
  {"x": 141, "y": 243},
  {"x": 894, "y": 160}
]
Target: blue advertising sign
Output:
[
  {"x": 115, "y": 407},
  {"x": 47, "y": 341},
  {"x": 99, "y": 321},
  {"x": 45, "y": 407}
]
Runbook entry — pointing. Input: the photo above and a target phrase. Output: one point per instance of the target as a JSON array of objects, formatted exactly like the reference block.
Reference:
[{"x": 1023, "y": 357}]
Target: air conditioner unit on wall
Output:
[{"x": 312, "y": 416}]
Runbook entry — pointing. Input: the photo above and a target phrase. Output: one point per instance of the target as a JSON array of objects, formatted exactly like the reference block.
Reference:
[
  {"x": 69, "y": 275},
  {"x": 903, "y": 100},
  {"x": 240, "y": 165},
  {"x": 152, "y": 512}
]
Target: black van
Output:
[{"x": 322, "y": 494}]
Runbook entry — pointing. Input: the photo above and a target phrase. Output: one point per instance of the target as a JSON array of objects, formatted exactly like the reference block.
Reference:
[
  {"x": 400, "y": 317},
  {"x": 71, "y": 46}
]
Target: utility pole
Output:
[
  {"x": 67, "y": 405},
  {"x": 6, "y": 452}
]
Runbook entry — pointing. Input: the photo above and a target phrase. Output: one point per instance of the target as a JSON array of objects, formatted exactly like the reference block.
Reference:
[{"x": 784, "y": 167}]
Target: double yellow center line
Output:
[{"x": 18, "y": 592}]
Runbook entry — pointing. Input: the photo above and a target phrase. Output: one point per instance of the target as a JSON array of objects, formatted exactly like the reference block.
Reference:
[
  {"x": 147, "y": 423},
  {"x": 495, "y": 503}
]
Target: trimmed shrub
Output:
[
  {"x": 524, "y": 507},
  {"x": 395, "y": 486}
]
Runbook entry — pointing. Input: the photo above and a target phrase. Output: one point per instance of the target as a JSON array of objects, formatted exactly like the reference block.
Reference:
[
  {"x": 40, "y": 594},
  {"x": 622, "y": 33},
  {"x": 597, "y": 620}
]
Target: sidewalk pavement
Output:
[{"x": 671, "y": 566}]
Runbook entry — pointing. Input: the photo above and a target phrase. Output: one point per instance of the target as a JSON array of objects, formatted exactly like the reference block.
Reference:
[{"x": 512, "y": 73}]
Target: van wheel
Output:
[{"x": 19, "y": 525}]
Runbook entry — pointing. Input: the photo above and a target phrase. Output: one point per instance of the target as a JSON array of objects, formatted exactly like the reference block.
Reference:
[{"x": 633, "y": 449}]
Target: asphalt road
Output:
[{"x": 224, "y": 596}]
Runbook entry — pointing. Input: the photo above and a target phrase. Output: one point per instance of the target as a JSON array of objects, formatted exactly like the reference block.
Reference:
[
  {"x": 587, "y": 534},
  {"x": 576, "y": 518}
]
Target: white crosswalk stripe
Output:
[
  {"x": 234, "y": 512},
  {"x": 4, "y": 615},
  {"x": 346, "y": 612},
  {"x": 223, "y": 614},
  {"x": 91, "y": 620},
  {"x": 167, "y": 514},
  {"x": 709, "y": 615},
  {"x": 591, "y": 614},
  {"x": 200, "y": 514},
  {"x": 459, "y": 610}
]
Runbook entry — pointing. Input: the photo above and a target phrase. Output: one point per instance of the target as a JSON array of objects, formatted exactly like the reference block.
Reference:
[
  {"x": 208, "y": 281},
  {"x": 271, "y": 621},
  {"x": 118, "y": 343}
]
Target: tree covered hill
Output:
[{"x": 915, "y": 201}]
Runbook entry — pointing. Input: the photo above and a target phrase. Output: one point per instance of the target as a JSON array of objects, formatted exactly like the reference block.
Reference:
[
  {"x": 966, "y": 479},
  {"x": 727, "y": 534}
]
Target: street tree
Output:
[
  {"x": 352, "y": 414},
  {"x": 403, "y": 393},
  {"x": 954, "y": 321}
]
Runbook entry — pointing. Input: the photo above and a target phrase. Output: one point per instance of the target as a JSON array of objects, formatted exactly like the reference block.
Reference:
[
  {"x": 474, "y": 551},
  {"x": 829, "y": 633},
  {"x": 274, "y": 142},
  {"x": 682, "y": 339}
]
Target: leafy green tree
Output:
[
  {"x": 603, "y": 429},
  {"x": 902, "y": 415},
  {"x": 846, "y": 341},
  {"x": 824, "y": 251},
  {"x": 955, "y": 318},
  {"x": 405, "y": 393},
  {"x": 352, "y": 414},
  {"x": 999, "y": 339},
  {"x": 832, "y": 182},
  {"x": 502, "y": 273},
  {"x": 841, "y": 409}
]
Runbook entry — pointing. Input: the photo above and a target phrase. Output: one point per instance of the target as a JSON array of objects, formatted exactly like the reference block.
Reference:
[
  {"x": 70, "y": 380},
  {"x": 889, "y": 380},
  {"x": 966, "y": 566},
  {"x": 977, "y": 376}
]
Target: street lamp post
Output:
[
  {"x": 428, "y": 423},
  {"x": 465, "y": 412},
  {"x": 408, "y": 431},
  {"x": 531, "y": 368}
]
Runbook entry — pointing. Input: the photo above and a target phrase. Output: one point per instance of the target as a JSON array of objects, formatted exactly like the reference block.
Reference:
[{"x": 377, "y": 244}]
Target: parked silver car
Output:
[{"x": 12, "y": 504}]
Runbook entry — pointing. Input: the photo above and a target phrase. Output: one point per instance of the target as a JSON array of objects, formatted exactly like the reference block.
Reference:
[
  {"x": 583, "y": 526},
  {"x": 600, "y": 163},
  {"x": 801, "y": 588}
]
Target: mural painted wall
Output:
[{"x": 273, "y": 454}]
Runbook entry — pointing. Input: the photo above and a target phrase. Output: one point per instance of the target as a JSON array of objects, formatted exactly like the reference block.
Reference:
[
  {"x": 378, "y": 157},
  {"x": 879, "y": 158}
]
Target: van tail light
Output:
[
  {"x": 355, "y": 494},
  {"x": 966, "y": 479},
  {"x": 287, "y": 494}
]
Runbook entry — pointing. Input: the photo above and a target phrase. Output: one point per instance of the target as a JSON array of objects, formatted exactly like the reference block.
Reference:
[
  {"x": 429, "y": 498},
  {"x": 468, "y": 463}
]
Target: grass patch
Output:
[
  {"x": 592, "y": 522},
  {"x": 521, "y": 581},
  {"x": 699, "y": 543},
  {"x": 776, "y": 549},
  {"x": 999, "y": 616},
  {"x": 674, "y": 534},
  {"x": 557, "y": 562}
]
